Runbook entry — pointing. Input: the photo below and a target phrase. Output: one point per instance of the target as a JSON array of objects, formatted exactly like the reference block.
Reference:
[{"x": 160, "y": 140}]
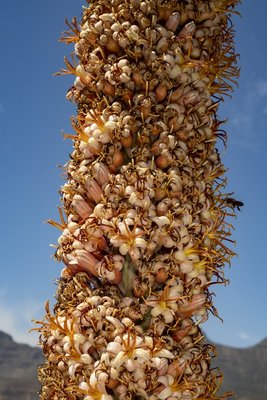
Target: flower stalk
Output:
[{"x": 146, "y": 229}]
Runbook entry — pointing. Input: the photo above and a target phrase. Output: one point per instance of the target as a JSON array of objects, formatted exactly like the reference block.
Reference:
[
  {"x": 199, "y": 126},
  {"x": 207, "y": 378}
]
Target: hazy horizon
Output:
[{"x": 34, "y": 112}]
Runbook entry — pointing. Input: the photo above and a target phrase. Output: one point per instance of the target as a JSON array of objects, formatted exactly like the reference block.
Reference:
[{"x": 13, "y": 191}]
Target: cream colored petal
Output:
[
  {"x": 78, "y": 338},
  {"x": 115, "y": 322},
  {"x": 84, "y": 386},
  {"x": 142, "y": 353},
  {"x": 131, "y": 365},
  {"x": 72, "y": 369},
  {"x": 157, "y": 310},
  {"x": 163, "y": 353},
  {"x": 124, "y": 248},
  {"x": 86, "y": 359},
  {"x": 165, "y": 393},
  {"x": 139, "y": 242},
  {"x": 114, "y": 347},
  {"x": 93, "y": 379},
  {"x": 119, "y": 359},
  {"x": 168, "y": 316},
  {"x": 149, "y": 341}
]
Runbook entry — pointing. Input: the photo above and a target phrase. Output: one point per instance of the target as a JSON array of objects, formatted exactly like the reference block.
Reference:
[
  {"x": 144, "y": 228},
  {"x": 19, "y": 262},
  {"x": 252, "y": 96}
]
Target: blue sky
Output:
[{"x": 33, "y": 112}]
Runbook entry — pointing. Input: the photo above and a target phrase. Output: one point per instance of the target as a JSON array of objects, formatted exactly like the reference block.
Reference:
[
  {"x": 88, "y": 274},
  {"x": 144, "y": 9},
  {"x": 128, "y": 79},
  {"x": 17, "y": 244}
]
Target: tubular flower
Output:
[{"x": 145, "y": 217}]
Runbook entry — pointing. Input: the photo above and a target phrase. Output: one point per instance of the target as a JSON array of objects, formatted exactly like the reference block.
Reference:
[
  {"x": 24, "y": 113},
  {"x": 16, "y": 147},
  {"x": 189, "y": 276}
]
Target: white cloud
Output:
[
  {"x": 247, "y": 115},
  {"x": 261, "y": 88},
  {"x": 244, "y": 336},
  {"x": 16, "y": 321}
]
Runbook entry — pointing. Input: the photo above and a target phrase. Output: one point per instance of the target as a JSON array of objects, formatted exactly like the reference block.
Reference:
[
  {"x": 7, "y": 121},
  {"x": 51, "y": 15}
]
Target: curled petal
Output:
[
  {"x": 142, "y": 353},
  {"x": 86, "y": 359},
  {"x": 139, "y": 242},
  {"x": 163, "y": 353},
  {"x": 115, "y": 322},
  {"x": 161, "y": 221},
  {"x": 114, "y": 347}
]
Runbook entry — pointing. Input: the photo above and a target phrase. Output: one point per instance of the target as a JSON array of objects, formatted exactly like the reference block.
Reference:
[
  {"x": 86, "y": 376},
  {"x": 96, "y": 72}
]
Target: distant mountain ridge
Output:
[
  {"x": 18, "y": 369},
  {"x": 245, "y": 370}
]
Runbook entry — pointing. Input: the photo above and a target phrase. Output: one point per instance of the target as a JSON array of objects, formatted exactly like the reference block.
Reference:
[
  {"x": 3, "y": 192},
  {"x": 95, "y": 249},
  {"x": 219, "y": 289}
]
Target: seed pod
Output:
[
  {"x": 161, "y": 275},
  {"x": 112, "y": 46},
  {"x": 161, "y": 92}
]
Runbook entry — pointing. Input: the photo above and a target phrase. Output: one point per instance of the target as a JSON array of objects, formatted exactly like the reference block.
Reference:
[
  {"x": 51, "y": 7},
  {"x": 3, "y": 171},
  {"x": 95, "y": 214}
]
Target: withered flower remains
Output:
[{"x": 144, "y": 218}]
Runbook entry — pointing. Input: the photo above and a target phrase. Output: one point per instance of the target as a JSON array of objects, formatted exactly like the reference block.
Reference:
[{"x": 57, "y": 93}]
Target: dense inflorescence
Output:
[{"x": 146, "y": 223}]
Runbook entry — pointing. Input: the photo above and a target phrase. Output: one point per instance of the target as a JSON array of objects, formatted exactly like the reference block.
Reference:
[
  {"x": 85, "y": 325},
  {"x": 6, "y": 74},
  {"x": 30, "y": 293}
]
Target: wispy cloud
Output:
[
  {"x": 16, "y": 319},
  {"x": 2, "y": 110},
  {"x": 261, "y": 88},
  {"x": 247, "y": 339},
  {"x": 247, "y": 115},
  {"x": 244, "y": 336}
]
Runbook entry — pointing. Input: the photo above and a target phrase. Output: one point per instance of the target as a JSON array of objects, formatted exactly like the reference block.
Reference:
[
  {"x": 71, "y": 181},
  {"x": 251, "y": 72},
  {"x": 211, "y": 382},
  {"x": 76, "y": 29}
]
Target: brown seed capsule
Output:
[
  {"x": 112, "y": 168},
  {"x": 109, "y": 89},
  {"x": 145, "y": 108},
  {"x": 127, "y": 96},
  {"x": 159, "y": 194},
  {"x": 162, "y": 162},
  {"x": 112, "y": 46},
  {"x": 155, "y": 149},
  {"x": 164, "y": 12},
  {"x": 126, "y": 141},
  {"x": 161, "y": 92},
  {"x": 112, "y": 383},
  {"x": 139, "y": 289},
  {"x": 161, "y": 275},
  {"x": 118, "y": 277},
  {"x": 176, "y": 94},
  {"x": 138, "y": 79},
  {"x": 175, "y": 123},
  {"x": 118, "y": 159}
]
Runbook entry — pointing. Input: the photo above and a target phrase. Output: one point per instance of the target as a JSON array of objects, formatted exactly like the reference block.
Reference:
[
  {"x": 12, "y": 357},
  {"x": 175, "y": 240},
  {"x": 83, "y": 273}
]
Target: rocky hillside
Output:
[
  {"x": 245, "y": 370},
  {"x": 18, "y": 376}
]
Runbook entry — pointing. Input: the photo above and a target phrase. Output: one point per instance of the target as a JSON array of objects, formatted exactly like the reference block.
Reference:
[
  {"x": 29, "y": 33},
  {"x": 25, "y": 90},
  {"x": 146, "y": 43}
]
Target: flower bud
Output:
[
  {"x": 81, "y": 207},
  {"x": 83, "y": 259},
  {"x": 173, "y": 21},
  {"x": 94, "y": 191},
  {"x": 101, "y": 173}
]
